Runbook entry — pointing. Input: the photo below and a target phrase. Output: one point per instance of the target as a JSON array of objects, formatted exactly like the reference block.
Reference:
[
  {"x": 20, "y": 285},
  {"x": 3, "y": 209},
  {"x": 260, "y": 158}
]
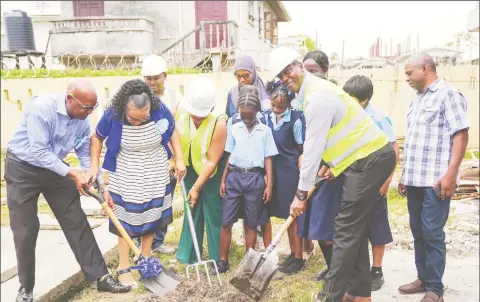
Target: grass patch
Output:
[{"x": 78, "y": 73}]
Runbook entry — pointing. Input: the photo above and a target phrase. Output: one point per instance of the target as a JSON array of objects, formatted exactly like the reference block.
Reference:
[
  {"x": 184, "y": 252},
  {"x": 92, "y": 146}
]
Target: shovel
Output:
[
  {"x": 195, "y": 244},
  {"x": 256, "y": 271},
  {"x": 153, "y": 275}
]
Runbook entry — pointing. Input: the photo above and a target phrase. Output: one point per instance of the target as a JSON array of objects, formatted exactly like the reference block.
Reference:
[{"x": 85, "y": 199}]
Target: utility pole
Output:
[{"x": 343, "y": 51}]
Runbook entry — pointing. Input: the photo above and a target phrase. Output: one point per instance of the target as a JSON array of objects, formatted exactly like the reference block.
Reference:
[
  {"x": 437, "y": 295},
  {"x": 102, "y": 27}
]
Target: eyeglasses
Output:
[
  {"x": 139, "y": 120},
  {"x": 245, "y": 76},
  {"x": 83, "y": 106}
]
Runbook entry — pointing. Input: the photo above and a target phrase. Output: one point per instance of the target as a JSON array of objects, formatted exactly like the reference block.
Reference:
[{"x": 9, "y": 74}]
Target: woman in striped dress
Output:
[{"x": 137, "y": 128}]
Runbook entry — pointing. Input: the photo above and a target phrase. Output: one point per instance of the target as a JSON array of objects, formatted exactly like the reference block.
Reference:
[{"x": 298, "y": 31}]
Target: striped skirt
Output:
[{"x": 141, "y": 187}]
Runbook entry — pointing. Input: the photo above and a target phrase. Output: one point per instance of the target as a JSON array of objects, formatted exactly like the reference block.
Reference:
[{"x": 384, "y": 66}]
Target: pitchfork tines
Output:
[
  {"x": 204, "y": 263},
  {"x": 200, "y": 262}
]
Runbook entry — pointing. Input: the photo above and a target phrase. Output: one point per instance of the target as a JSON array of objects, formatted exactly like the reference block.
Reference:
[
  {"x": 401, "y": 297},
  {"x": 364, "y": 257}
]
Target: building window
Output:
[
  {"x": 251, "y": 17},
  {"x": 271, "y": 28}
]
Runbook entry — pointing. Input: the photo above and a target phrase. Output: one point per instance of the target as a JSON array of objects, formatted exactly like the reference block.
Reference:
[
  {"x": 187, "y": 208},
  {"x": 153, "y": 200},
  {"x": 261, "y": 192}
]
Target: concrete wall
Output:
[
  {"x": 390, "y": 97},
  {"x": 164, "y": 14}
]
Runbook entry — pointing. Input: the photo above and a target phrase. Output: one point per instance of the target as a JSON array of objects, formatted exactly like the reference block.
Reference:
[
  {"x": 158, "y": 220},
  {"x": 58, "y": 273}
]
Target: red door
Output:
[
  {"x": 211, "y": 11},
  {"x": 88, "y": 8}
]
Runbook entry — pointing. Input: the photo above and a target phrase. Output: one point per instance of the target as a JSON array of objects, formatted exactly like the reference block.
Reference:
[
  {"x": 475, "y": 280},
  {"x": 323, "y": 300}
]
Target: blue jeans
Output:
[
  {"x": 428, "y": 215},
  {"x": 158, "y": 239}
]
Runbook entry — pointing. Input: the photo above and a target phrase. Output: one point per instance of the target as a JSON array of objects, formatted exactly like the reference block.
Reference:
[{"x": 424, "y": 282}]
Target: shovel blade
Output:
[
  {"x": 253, "y": 275},
  {"x": 162, "y": 284}
]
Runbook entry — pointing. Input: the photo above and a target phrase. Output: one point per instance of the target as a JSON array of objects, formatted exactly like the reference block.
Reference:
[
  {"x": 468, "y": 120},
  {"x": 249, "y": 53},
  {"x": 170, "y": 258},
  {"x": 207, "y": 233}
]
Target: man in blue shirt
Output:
[
  {"x": 361, "y": 89},
  {"x": 51, "y": 127}
]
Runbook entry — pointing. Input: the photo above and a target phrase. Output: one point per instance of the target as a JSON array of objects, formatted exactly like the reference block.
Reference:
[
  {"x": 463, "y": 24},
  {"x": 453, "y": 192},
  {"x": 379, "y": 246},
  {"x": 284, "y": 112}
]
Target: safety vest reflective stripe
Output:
[
  {"x": 196, "y": 147},
  {"x": 354, "y": 137}
]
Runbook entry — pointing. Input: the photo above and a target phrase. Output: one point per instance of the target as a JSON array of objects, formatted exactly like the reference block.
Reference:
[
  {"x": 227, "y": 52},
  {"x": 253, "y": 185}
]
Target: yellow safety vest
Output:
[
  {"x": 355, "y": 137},
  {"x": 197, "y": 147}
]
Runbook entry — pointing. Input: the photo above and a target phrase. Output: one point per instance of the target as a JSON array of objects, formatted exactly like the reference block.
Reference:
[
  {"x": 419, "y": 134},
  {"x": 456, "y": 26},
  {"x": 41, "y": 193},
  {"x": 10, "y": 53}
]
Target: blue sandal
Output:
[{"x": 134, "y": 284}]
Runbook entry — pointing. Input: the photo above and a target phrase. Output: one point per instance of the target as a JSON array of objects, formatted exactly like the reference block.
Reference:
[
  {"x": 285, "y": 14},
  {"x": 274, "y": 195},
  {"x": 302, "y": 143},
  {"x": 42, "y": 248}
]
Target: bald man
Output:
[
  {"x": 51, "y": 127},
  {"x": 436, "y": 139}
]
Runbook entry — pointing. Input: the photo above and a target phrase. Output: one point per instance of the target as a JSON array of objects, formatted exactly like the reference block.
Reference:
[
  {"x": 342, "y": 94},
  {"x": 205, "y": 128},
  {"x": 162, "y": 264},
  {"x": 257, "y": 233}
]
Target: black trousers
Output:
[
  {"x": 25, "y": 182},
  {"x": 350, "y": 264}
]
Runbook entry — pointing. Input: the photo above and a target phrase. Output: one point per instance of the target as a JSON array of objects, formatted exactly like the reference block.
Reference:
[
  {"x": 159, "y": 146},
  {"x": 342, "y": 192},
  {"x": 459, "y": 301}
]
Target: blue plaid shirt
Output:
[{"x": 434, "y": 116}]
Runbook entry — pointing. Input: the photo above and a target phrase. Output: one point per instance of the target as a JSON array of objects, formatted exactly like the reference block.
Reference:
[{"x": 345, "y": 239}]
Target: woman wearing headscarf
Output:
[
  {"x": 137, "y": 128},
  {"x": 245, "y": 72}
]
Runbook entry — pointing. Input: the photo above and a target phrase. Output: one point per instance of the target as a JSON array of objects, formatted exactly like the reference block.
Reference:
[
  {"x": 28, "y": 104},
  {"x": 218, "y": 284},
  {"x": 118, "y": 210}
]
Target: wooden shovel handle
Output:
[
  {"x": 290, "y": 219},
  {"x": 120, "y": 228}
]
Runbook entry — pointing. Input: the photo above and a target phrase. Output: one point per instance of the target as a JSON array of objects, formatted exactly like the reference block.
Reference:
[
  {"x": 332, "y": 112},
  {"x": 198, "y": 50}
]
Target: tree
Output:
[
  {"x": 461, "y": 39},
  {"x": 333, "y": 56},
  {"x": 309, "y": 43}
]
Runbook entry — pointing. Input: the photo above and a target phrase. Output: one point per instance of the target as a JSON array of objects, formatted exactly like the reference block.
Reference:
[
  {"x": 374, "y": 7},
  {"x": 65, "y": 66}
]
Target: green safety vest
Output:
[
  {"x": 196, "y": 147},
  {"x": 354, "y": 137}
]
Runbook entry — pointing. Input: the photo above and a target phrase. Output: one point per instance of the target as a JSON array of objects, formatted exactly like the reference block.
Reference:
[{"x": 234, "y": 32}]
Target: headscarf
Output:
[{"x": 247, "y": 63}]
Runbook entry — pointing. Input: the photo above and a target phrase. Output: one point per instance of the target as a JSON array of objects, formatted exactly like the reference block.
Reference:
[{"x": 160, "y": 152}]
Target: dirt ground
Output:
[{"x": 462, "y": 247}]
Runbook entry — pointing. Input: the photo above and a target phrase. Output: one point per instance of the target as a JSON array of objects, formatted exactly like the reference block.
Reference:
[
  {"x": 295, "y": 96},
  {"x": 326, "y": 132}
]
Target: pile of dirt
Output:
[{"x": 196, "y": 291}]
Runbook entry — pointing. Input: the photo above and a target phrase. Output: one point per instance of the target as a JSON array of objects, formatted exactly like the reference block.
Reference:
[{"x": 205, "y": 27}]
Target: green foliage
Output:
[
  {"x": 309, "y": 43},
  {"x": 79, "y": 73},
  {"x": 460, "y": 39}
]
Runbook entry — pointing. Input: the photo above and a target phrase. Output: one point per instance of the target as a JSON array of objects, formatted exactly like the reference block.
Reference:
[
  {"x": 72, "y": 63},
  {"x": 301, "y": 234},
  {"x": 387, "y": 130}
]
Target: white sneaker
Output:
[{"x": 163, "y": 249}]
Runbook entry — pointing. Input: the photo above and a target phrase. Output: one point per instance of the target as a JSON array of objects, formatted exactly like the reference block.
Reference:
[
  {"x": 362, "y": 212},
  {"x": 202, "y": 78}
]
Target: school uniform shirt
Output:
[
  {"x": 382, "y": 121},
  {"x": 249, "y": 149}
]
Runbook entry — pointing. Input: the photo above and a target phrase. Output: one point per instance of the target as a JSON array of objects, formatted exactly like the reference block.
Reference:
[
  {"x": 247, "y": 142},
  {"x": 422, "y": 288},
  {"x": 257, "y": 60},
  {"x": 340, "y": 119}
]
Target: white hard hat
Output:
[
  {"x": 280, "y": 58},
  {"x": 153, "y": 65},
  {"x": 200, "y": 98}
]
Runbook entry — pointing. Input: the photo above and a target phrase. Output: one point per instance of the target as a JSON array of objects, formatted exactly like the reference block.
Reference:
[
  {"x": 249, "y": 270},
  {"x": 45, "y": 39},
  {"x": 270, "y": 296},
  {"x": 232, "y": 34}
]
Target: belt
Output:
[
  {"x": 245, "y": 170},
  {"x": 12, "y": 156}
]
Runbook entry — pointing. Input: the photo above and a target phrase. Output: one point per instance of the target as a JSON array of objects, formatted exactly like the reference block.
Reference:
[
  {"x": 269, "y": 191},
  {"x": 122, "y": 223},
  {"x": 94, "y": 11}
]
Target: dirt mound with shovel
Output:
[{"x": 195, "y": 291}]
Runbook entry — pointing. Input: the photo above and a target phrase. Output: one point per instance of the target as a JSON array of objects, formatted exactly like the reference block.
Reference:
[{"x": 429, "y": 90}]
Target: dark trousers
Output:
[
  {"x": 350, "y": 264},
  {"x": 25, "y": 182},
  {"x": 428, "y": 215}
]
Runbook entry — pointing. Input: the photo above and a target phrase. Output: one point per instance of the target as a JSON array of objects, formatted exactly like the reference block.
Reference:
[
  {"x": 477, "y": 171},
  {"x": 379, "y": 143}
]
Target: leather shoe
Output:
[
  {"x": 432, "y": 297},
  {"x": 414, "y": 287},
  {"x": 321, "y": 275},
  {"x": 24, "y": 295},
  {"x": 108, "y": 284}
]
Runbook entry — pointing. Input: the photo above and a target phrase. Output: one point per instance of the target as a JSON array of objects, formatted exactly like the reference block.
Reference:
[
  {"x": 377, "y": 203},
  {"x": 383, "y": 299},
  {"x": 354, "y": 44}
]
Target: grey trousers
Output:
[
  {"x": 25, "y": 182},
  {"x": 350, "y": 264}
]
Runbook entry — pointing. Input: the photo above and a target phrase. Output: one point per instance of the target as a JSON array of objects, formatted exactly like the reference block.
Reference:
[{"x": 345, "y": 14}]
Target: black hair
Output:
[
  {"x": 333, "y": 81},
  {"x": 359, "y": 87},
  {"x": 320, "y": 57},
  {"x": 276, "y": 89},
  {"x": 248, "y": 96},
  {"x": 132, "y": 90}
]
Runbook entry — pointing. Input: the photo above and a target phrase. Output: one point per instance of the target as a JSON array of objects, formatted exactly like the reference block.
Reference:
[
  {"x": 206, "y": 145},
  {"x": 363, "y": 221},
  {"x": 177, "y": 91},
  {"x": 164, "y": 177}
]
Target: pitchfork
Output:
[{"x": 195, "y": 243}]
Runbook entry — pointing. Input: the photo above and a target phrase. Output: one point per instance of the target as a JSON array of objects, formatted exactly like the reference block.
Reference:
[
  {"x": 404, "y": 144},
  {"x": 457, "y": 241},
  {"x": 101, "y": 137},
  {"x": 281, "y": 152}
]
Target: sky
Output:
[{"x": 358, "y": 23}]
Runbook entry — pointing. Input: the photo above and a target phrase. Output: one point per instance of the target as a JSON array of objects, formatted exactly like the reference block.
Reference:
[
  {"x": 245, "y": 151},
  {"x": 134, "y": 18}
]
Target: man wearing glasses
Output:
[{"x": 51, "y": 127}]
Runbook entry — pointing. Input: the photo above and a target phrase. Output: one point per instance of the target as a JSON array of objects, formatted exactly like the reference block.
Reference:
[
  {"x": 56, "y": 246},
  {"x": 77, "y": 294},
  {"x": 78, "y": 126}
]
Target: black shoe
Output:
[
  {"x": 108, "y": 284},
  {"x": 222, "y": 266},
  {"x": 321, "y": 275},
  {"x": 293, "y": 267},
  {"x": 377, "y": 280},
  {"x": 24, "y": 295},
  {"x": 287, "y": 261}
]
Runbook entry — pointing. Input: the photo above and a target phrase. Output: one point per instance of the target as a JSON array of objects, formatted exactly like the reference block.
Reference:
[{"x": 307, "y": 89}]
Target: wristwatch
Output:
[{"x": 302, "y": 196}]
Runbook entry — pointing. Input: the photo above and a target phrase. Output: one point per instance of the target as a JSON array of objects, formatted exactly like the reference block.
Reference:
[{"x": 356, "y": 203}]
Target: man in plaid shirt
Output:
[{"x": 437, "y": 136}]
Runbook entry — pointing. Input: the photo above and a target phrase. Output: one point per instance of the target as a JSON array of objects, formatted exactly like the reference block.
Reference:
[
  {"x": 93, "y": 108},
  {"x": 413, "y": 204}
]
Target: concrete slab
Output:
[
  {"x": 399, "y": 268},
  {"x": 90, "y": 206},
  {"x": 49, "y": 222},
  {"x": 57, "y": 270}
]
